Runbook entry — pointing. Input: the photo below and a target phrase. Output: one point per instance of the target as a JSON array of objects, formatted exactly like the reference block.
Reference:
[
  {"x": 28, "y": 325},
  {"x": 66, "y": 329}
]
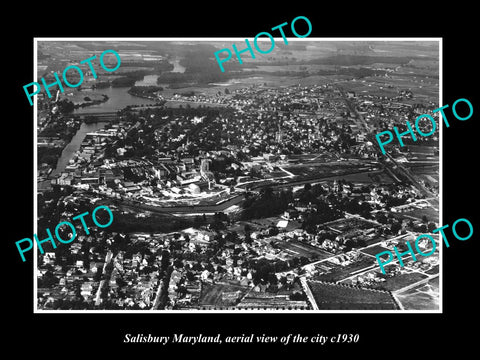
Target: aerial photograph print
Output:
[{"x": 262, "y": 187}]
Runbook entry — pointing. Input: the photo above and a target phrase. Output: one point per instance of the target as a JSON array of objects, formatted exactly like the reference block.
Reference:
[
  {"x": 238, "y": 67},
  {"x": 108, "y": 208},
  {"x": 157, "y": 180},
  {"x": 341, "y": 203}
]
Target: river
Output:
[
  {"x": 74, "y": 145},
  {"x": 118, "y": 97}
]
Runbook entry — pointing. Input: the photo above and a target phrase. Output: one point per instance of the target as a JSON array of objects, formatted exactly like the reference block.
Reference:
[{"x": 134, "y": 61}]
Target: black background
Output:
[{"x": 380, "y": 334}]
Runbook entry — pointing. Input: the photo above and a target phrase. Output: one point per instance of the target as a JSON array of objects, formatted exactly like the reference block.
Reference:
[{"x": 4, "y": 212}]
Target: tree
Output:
[
  {"x": 395, "y": 227},
  {"x": 190, "y": 276},
  {"x": 197, "y": 221},
  {"x": 381, "y": 218},
  {"x": 273, "y": 231},
  {"x": 178, "y": 263},
  {"x": 297, "y": 296},
  {"x": 349, "y": 244},
  {"x": 303, "y": 260},
  {"x": 361, "y": 243},
  {"x": 272, "y": 278},
  {"x": 254, "y": 173},
  {"x": 165, "y": 262},
  {"x": 98, "y": 274},
  {"x": 232, "y": 236},
  {"x": 47, "y": 280},
  {"x": 120, "y": 282},
  {"x": 65, "y": 106},
  {"x": 248, "y": 238}
]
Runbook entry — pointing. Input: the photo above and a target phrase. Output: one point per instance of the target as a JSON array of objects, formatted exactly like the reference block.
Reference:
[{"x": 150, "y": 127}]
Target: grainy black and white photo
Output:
[{"x": 259, "y": 188}]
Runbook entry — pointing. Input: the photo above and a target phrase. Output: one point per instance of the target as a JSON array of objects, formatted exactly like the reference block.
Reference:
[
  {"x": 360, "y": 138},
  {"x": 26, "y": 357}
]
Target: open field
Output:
[
  {"x": 354, "y": 223},
  {"x": 364, "y": 87},
  {"x": 399, "y": 281},
  {"x": 430, "y": 213},
  {"x": 299, "y": 249},
  {"x": 273, "y": 221},
  {"x": 391, "y": 85},
  {"x": 421, "y": 297},
  {"x": 374, "y": 240},
  {"x": 78, "y": 97},
  {"x": 374, "y": 250}
]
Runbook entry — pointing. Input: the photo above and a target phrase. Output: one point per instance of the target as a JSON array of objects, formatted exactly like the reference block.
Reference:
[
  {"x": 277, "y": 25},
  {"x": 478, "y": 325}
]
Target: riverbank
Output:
[
  {"x": 105, "y": 98},
  {"x": 74, "y": 145},
  {"x": 145, "y": 92}
]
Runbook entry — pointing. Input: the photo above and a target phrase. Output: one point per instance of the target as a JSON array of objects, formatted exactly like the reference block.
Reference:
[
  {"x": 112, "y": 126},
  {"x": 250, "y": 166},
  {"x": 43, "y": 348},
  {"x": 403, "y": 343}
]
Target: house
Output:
[
  {"x": 291, "y": 214},
  {"x": 65, "y": 179},
  {"x": 86, "y": 289},
  {"x": 49, "y": 258},
  {"x": 282, "y": 224},
  {"x": 201, "y": 237}
]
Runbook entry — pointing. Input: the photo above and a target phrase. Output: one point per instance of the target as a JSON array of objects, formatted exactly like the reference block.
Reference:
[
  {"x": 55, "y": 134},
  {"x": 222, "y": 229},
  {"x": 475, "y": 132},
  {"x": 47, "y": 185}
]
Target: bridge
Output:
[{"x": 98, "y": 116}]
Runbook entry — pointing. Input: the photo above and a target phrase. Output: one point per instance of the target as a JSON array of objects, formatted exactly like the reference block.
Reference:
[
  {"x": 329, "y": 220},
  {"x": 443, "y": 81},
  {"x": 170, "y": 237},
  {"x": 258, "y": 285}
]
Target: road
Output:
[
  {"x": 97, "y": 116},
  {"x": 309, "y": 294},
  {"x": 408, "y": 287},
  {"x": 393, "y": 166},
  {"x": 103, "y": 282},
  {"x": 353, "y": 109}
]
